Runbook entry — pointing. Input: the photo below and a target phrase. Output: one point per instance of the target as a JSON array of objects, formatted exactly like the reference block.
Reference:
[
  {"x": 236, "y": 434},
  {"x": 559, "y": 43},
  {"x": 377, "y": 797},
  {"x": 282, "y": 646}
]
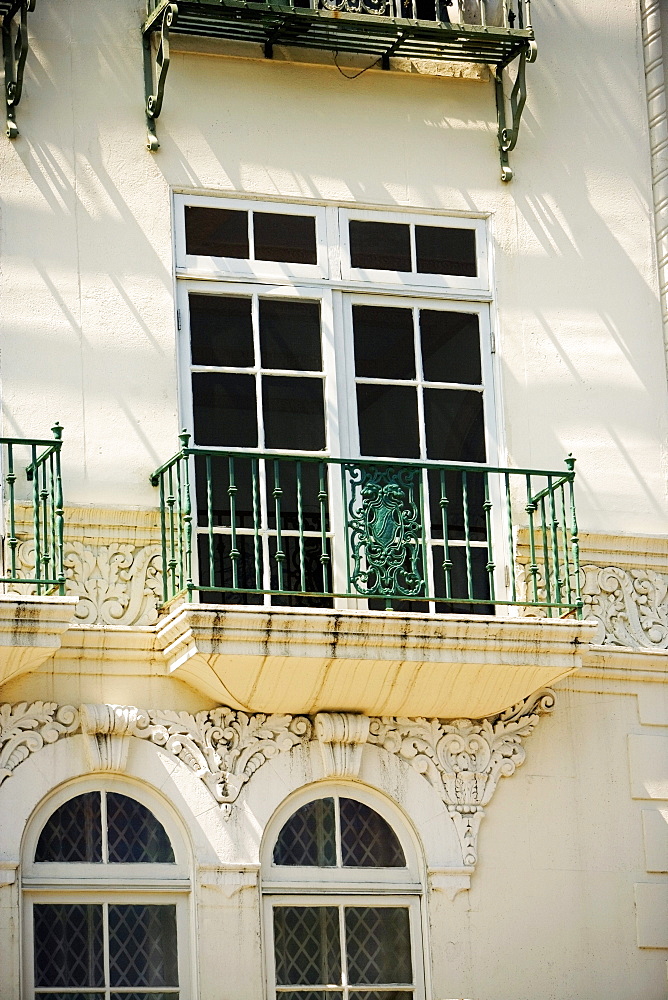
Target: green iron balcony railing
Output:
[
  {"x": 491, "y": 32},
  {"x": 301, "y": 530},
  {"x": 32, "y": 554}
]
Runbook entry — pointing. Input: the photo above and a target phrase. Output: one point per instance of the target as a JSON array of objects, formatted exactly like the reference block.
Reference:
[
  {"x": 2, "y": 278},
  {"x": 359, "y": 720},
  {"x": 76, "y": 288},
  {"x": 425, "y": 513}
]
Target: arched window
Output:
[
  {"x": 105, "y": 888},
  {"x": 342, "y": 901}
]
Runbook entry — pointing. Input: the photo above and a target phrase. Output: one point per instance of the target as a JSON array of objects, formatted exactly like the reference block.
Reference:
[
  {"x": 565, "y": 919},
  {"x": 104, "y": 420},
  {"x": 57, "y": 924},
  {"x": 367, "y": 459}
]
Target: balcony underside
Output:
[
  {"x": 336, "y": 31},
  {"x": 307, "y": 661}
]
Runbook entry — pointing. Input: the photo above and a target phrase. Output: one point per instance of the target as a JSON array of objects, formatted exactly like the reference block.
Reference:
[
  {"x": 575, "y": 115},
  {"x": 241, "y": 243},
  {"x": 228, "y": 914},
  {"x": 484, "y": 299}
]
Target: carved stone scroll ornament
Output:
[
  {"x": 630, "y": 604},
  {"x": 462, "y": 759}
]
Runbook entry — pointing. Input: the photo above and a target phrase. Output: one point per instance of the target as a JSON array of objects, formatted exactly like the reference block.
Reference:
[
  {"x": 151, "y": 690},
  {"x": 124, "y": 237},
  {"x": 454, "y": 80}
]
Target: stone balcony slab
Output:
[
  {"x": 309, "y": 660},
  {"x": 31, "y": 630}
]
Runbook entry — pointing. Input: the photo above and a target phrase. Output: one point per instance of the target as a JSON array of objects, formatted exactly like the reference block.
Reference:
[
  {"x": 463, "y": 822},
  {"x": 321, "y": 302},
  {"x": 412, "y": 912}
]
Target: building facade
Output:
[{"x": 334, "y": 602}]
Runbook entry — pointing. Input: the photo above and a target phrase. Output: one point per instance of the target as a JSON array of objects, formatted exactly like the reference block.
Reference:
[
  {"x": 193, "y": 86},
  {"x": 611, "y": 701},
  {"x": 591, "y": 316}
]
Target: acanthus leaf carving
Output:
[
  {"x": 25, "y": 729},
  {"x": 630, "y": 604}
]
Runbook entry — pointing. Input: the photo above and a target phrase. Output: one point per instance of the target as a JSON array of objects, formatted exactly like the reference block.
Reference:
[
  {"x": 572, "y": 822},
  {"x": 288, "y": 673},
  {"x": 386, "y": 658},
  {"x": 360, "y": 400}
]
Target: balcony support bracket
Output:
[
  {"x": 508, "y": 133},
  {"x": 15, "y": 52},
  {"x": 156, "y": 65}
]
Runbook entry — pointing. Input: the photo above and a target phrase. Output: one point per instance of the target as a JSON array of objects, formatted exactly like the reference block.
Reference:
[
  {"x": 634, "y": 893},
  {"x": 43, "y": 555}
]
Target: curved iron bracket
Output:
[
  {"x": 155, "y": 70},
  {"x": 15, "y": 52},
  {"x": 508, "y": 133}
]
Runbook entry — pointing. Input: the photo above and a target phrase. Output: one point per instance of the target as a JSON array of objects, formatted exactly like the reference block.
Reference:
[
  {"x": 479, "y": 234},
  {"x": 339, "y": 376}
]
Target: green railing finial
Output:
[
  {"x": 570, "y": 462},
  {"x": 57, "y": 431},
  {"x": 184, "y": 438}
]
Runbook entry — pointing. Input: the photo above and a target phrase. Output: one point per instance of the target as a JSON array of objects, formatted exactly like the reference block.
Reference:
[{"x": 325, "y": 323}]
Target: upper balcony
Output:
[
  {"x": 303, "y": 557},
  {"x": 493, "y": 33},
  {"x": 34, "y": 611}
]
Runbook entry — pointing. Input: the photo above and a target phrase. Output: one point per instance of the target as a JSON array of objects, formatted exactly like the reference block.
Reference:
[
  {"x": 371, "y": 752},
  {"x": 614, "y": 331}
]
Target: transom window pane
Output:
[
  {"x": 352, "y": 947},
  {"x": 71, "y": 939},
  {"x": 387, "y": 246},
  {"x": 74, "y": 832},
  {"x": 274, "y": 236},
  {"x": 360, "y": 839}
]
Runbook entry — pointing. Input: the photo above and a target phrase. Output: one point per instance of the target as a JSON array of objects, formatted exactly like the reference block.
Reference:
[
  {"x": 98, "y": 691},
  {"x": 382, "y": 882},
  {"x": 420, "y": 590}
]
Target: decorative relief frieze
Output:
[
  {"x": 117, "y": 584},
  {"x": 631, "y": 605},
  {"x": 461, "y": 759}
]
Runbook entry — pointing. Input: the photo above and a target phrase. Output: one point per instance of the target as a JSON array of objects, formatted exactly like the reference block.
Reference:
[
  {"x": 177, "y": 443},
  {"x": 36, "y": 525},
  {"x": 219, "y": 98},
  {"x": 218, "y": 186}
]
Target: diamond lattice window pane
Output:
[
  {"x": 142, "y": 945},
  {"x": 144, "y": 996},
  {"x": 134, "y": 834},
  {"x": 307, "y": 945},
  {"x": 73, "y": 832},
  {"x": 381, "y": 995},
  {"x": 378, "y": 945},
  {"x": 309, "y": 995},
  {"x": 68, "y": 945},
  {"x": 367, "y": 841},
  {"x": 74, "y": 996},
  {"x": 309, "y": 836}
]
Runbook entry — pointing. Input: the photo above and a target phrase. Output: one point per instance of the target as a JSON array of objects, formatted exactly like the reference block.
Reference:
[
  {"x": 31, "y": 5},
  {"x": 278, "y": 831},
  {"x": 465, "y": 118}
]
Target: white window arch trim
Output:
[
  {"x": 287, "y": 885},
  {"x": 104, "y": 882}
]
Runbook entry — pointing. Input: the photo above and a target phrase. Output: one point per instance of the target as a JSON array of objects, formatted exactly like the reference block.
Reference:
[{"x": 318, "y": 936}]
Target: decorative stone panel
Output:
[{"x": 461, "y": 759}]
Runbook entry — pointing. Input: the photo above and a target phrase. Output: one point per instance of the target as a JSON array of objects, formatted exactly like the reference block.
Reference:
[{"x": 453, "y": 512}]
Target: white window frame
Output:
[
  {"x": 338, "y": 886},
  {"x": 103, "y": 882}
]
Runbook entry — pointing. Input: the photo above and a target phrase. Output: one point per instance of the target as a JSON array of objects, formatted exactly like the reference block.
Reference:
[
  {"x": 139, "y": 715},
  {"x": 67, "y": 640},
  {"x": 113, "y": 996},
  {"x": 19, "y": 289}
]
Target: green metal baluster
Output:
[
  {"x": 511, "y": 553},
  {"x": 180, "y": 525},
  {"x": 555, "y": 542},
  {"x": 467, "y": 536},
  {"x": 447, "y": 562},
  {"x": 575, "y": 538},
  {"x": 35, "y": 518},
  {"x": 300, "y": 522},
  {"x": 59, "y": 513},
  {"x": 187, "y": 516},
  {"x": 53, "y": 543},
  {"x": 163, "y": 541},
  {"x": 533, "y": 565},
  {"x": 423, "y": 525},
  {"x": 209, "y": 520},
  {"x": 546, "y": 557},
  {"x": 347, "y": 527},
  {"x": 280, "y": 554},
  {"x": 322, "y": 499},
  {"x": 564, "y": 536},
  {"x": 234, "y": 551},
  {"x": 171, "y": 501},
  {"x": 491, "y": 566},
  {"x": 256, "y": 522},
  {"x": 12, "y": 541},
  {"x": 44, "y": 518}
]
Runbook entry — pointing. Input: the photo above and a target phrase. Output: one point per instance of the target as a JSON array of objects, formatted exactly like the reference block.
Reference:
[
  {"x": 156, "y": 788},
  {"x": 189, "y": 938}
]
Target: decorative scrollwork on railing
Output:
[
  {"x": 382, "y": 8},
  {"x": 385, "y": 529},
  {"x": 15, "y": 52}
]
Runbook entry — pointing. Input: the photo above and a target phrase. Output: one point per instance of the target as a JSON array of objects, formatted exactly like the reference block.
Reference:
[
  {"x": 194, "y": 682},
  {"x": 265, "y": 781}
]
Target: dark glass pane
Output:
[
  {"x": 290, "y": 335},
  {"x": 145, "y": 996},
  {"x": 73, "y": 832},
  {"x": 388, "y": 421},
  {"x": 306, "y": 945},
  {"x": 289, "y": 238},
  {"x": 222, "y": 576},
  {"x": 225, "y": 476},
  {"x": 75, "y": 996},
  {"x": 308, "y": 994},
  {"x": 442, "y": 250},
  {"x": 447, "y": 489},
  {"x": 381, "y": 995},
  {"x": 459, "y": 581},
  {"x": 378, "y": 944},
  {"x": 134, "y": 834},
  {"x": 384, "y": 246},
  {"x": 221, "y": 331},
  {"x": 68, "y": 945},
  {"x": 314, "y": 580},
  {"x": 308, "y": 837},
  {"x": 450, "y": 347},
  {"x": 224, "y": 409},
  {"x": 294, "y": 413},
  {"x": 216, "y": 232},
  {"x": 454, "y": 423},
  {"x": 384, "y": 342},
  {"x": 142, "y": 945},
  {"x": 367, "y": 841}
]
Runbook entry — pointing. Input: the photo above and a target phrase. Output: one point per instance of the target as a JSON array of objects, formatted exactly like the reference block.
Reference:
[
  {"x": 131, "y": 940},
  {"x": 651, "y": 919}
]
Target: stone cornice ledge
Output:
[
  {"x": 307, "y": 660},
  {"x": 30, "y": 631}
]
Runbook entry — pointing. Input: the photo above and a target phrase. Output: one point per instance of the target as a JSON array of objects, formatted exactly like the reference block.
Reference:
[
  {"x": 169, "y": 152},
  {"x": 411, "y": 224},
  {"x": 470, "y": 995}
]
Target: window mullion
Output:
[
  {"x": 105, "y": 946},
  {"x": 105, "y": 830},
  {"x": 344, "y": 951}
]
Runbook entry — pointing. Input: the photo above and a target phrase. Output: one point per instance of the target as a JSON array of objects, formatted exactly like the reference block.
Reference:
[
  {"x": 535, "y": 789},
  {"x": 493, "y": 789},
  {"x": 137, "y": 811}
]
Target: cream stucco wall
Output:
[{"x": 88, "y": 292}]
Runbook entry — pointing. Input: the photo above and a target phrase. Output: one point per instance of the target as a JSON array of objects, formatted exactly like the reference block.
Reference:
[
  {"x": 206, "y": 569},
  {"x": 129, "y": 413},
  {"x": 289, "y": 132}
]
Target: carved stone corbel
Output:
[
  {"x": 107, "y": 729},
  {"x": 341, "y": 736}
]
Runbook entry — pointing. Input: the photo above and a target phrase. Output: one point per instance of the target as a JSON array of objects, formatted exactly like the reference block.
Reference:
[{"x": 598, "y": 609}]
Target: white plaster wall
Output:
[{"x": 87, "y": 307}]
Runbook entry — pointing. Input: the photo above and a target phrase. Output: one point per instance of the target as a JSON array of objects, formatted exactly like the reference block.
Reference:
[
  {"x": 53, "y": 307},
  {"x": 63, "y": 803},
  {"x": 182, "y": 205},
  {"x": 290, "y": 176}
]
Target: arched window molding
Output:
[
  {"x": 345, "y": 893},
  {"x": 115, "y": 890}
]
